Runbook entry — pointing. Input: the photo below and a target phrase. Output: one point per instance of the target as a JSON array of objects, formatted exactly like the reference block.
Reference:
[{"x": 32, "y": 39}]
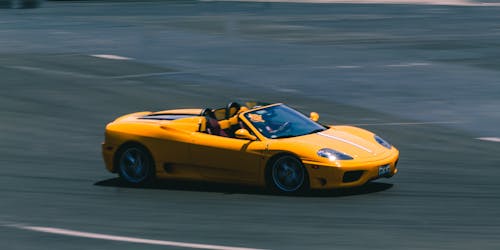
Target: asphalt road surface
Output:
[{"x": 423, "y": 77}]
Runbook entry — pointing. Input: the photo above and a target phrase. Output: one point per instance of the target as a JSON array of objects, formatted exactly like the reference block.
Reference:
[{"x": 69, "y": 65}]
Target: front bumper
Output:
[{"x": 349, "y": 173}]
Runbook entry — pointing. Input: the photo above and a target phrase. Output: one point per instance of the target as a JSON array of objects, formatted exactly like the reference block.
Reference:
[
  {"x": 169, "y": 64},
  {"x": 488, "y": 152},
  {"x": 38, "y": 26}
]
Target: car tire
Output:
[
  {"x": 135, "y": 164},
  {"x": 287, "y": 175}
]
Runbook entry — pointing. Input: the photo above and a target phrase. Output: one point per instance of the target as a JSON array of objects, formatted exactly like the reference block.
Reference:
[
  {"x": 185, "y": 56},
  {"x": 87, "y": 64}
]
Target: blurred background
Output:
[{"x": 423, "y": 74}]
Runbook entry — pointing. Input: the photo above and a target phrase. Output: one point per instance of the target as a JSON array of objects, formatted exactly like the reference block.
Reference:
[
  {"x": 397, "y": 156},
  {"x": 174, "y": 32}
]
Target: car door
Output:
[{"x": 227, "y": 159}]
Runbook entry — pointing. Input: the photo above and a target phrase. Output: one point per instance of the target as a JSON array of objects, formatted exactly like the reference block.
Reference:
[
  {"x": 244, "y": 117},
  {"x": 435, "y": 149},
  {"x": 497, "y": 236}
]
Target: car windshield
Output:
[{"x": 281, "y": 121}]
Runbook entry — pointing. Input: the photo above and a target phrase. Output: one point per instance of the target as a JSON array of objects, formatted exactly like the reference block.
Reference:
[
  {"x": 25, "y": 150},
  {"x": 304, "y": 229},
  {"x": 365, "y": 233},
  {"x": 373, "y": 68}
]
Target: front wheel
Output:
[
  {"x": 135, "y": 165},
  {"x": 286, "y": 174}
]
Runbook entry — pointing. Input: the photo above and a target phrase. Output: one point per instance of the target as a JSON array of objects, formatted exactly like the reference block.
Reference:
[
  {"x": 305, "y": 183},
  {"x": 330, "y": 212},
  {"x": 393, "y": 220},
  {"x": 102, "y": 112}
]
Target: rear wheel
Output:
[
  {"x": 286, "y": 174},
  {"x": 135, "y": 164}
]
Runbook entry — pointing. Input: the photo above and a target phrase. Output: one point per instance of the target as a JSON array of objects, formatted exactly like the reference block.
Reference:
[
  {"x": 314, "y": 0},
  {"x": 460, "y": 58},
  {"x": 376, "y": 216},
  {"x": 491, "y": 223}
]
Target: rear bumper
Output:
[
  {"x": 356, "y": 173},
  {"x": 108, "y": 153}
]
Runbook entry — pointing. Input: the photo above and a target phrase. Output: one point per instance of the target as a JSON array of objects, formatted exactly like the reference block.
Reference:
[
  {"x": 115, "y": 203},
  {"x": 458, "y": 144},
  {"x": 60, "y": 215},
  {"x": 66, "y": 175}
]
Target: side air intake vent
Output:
[{"x": 352, "y": 176}]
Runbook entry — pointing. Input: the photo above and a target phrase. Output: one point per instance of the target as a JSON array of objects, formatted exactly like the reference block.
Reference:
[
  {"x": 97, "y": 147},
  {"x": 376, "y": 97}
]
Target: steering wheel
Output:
[{"x": 283, "y": 128}]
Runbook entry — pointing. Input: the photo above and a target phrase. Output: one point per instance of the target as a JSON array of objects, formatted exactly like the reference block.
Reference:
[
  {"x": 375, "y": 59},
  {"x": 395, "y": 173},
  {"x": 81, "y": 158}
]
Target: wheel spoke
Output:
[
  {"x": 138, "y": 169},
  {"x": 138, "y": 159},
  {"x": 130, "y": 157}
]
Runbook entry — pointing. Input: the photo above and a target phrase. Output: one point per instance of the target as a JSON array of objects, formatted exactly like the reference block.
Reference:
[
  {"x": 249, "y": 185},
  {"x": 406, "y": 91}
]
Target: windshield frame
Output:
[{"x": 244, "y": 117}]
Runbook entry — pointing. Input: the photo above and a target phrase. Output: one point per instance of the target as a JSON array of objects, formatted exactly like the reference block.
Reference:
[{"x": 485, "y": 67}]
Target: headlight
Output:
[
  {"x": 382, "y": 142},
  {"x": 333, "y": 155}
]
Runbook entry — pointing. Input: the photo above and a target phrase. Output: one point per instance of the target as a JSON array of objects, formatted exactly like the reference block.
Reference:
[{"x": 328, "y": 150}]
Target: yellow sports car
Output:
[{"x": 268, "y": 145}]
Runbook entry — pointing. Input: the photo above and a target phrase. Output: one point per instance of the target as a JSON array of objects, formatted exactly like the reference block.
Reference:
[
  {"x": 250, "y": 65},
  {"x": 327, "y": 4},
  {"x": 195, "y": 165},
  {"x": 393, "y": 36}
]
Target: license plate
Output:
[{"x": 384, "y": 170}]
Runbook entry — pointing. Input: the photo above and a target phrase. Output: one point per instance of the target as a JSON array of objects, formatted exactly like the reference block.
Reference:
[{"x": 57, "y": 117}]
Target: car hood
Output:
[{"x": 357, "y": 143}]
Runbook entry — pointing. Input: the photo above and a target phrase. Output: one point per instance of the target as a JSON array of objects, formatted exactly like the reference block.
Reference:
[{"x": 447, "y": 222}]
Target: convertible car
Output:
[{"x": 273, "y": 146}]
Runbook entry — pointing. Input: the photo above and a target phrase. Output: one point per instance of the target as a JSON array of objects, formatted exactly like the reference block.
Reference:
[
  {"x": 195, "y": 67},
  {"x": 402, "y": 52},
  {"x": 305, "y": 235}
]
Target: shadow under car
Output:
[{"x": 200, "y": 186}]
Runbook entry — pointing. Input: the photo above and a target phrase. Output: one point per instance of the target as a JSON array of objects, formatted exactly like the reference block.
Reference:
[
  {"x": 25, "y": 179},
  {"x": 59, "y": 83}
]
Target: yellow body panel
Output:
[
  {"x": 180, "y": 111},
  {"x": 182, "y": 149}
]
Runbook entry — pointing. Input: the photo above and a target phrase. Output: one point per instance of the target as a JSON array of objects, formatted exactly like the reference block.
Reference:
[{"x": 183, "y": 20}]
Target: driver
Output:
[{"x": 265, "y": 123}]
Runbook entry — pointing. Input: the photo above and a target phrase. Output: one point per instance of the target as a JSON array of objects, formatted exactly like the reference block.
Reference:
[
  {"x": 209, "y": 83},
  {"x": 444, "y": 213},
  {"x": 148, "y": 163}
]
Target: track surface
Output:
[{"x": 383, "y": 66}]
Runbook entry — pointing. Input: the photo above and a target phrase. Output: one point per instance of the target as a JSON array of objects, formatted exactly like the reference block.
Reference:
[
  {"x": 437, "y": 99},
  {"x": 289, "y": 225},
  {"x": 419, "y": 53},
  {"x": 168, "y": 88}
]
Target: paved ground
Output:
[{"x": 387, "y": 68}]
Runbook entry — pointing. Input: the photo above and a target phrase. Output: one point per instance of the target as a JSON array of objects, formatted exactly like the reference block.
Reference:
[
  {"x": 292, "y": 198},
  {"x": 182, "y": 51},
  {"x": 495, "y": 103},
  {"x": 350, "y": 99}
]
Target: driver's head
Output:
[{"x": 268, "y": 114}]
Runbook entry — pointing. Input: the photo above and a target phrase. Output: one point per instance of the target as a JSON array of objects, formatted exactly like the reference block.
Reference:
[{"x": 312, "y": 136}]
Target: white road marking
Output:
[
  {"x": 348, "y": 67},
  {"x": 60, "y": 231},
  {"x": 408, "y": 65},
  {"x": 49, "y": 71},
  {"x": 112, "y": 57},
  {"x": 287, "y": 90},
  {"x": 338, "y": 67},
  {"x": 403, "y": 123},
  {"x": 76, "y": 74},
  {"x": 147, "y": 75},
  {"x": 493, "y": 139},
  {"x": 21, "y": 67},
  {"x": 422, "y": 2}
]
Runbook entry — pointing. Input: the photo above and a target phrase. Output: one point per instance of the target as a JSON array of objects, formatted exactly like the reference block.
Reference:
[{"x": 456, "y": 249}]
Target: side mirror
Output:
[
  {"x": 244, "y": 134},
  {"x": 314, "y": 116}
]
